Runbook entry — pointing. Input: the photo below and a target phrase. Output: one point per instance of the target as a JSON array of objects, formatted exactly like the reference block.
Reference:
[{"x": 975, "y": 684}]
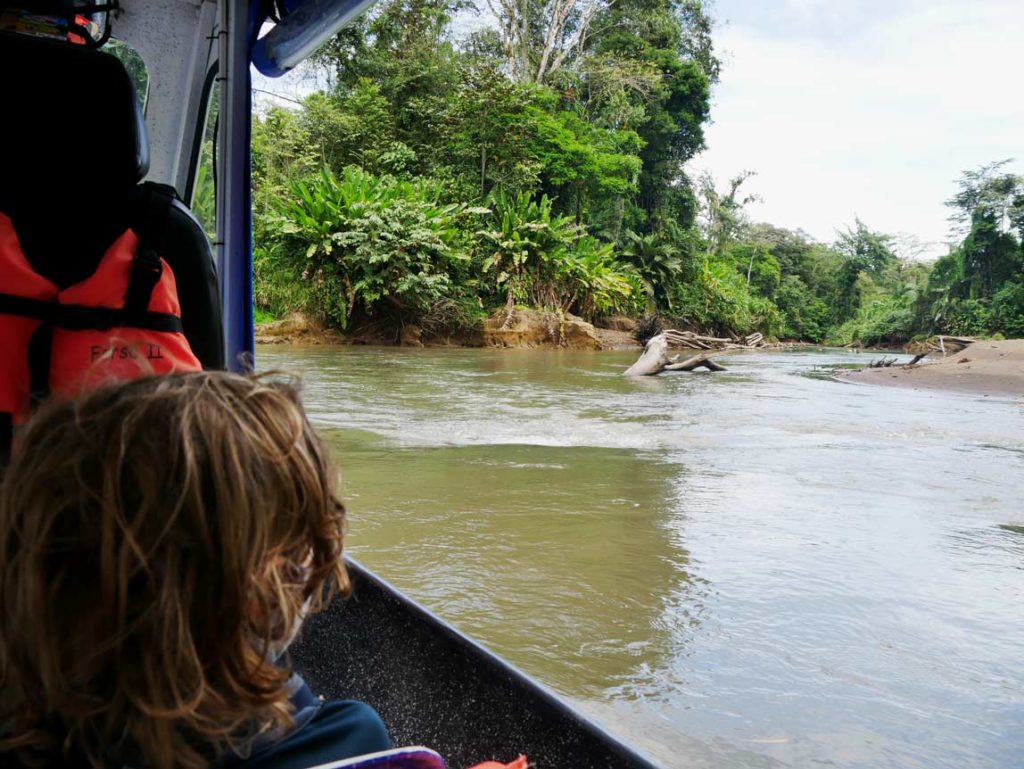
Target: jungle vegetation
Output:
[{"x": 436, "y": 177}]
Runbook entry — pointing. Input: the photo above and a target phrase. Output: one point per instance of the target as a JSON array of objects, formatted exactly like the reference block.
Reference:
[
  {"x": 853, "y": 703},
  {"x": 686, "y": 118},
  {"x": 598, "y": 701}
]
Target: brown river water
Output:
[{"x": 757, "y": 568}]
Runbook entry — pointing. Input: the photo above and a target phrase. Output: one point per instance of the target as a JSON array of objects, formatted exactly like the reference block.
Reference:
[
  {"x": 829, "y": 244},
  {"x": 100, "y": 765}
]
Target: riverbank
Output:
[
  {"x": 985, "y": 367},
  {"x": 526, "y": 329}
]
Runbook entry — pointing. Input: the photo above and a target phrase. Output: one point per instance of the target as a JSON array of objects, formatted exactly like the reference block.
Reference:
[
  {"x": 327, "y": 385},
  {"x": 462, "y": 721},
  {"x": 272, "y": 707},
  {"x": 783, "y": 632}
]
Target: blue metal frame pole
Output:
[{"x": 234, "y": 196}]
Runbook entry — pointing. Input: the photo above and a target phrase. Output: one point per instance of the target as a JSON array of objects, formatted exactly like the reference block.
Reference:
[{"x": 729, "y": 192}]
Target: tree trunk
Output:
[{"x": 483, "y": 169}]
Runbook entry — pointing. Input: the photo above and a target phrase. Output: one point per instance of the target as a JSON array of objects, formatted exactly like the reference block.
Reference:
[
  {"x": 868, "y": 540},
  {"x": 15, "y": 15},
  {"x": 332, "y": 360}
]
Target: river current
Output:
[{"x": 758, "y": 568}]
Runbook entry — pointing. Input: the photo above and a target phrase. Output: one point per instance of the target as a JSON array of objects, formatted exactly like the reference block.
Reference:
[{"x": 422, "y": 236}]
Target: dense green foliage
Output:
[
  {"x": 541, "y": 161},
  {"x": 361, "y": 240}
]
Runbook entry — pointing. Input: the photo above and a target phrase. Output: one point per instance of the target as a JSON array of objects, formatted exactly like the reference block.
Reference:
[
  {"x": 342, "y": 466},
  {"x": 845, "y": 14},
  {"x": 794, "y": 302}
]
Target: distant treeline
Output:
[{"x": 539, "y": 161}]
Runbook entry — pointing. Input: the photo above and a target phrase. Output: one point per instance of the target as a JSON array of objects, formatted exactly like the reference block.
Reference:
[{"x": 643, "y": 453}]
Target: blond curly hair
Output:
[{"x": 160, "y": 541}]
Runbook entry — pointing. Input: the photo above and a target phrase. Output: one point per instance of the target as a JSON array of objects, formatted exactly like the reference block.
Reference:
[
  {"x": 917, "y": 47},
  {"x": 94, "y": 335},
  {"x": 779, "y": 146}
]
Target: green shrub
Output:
[
  {"x": 367, "y": 243},
  {"x": 719, "y": 301},
  {"x": 804, "y": 315},
  {"x": 1007, "y": 311},
  {"x": 278, "y": 288},
  {"x": 537, "y": 257},
  {"x": 966, "y": 317},
  {"x": 262, "y": 316},
  {"x": 887, "y": 320},
  {"x": 658, "y": 264}
]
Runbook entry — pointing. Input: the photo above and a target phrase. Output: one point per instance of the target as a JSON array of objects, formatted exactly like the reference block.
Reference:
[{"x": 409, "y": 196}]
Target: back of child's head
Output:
[{"x": 159, "y": 540}]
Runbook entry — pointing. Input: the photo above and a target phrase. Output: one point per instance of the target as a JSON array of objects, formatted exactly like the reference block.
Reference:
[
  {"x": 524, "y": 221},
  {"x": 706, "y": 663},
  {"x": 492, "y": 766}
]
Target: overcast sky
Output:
[{"x": 864, "y": 108}]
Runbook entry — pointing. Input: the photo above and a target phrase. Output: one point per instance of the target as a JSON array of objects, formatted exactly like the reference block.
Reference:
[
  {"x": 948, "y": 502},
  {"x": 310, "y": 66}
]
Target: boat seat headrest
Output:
[{"x": 72, "y": 122}]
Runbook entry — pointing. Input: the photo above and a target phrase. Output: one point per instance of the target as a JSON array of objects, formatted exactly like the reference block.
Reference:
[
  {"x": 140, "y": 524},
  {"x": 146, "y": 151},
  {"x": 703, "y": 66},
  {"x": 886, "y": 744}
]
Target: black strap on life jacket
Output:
[
  {"x": 75, "y": 317},
  {"x": 147, "y": 267}
]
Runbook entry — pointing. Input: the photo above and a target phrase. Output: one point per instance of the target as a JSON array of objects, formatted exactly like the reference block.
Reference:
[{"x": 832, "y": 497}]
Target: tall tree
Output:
[
  {"x": 671, "y": 41},
  {"x": 539, "y": 38},
  {"x": 722, "y": 214},
  {"x": 865, "y": 254},
  {"x": 988, "y": 209},
  {"x": 988, "y": 189}
]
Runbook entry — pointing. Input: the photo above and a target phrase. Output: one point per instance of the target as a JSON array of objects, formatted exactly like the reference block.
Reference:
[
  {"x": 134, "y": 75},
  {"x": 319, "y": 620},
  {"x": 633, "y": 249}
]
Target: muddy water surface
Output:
[{"x": 761, "y": 568}]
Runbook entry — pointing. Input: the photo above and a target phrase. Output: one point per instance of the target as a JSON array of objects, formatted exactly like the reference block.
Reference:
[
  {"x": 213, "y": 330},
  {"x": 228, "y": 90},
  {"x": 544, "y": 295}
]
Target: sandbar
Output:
[{"x": 986, "y": 367}]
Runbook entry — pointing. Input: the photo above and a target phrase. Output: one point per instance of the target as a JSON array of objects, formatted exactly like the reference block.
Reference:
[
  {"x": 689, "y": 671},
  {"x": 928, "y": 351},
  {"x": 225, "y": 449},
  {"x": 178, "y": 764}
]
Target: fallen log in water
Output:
[
  {"x": 697, "y": 361},
  {"x": 655, "y": 357}
]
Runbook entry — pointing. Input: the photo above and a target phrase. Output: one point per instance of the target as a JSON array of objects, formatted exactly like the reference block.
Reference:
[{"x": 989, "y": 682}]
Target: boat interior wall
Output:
[
  {"x": 177, "y": 41},
  {"x": 73, "y": 160}
]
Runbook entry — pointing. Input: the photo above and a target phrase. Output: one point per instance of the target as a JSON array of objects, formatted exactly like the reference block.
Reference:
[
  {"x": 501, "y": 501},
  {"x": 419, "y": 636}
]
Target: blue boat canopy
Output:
[{"x": 303, "y": 28}]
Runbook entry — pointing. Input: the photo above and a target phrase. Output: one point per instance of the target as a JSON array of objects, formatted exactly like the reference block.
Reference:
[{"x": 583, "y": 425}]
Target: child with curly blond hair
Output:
[{"x": 161, "y": 541}]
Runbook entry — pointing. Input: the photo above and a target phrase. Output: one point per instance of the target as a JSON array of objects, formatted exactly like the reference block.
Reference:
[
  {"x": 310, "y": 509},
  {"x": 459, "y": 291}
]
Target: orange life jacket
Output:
[{"x": 122, "y": 322}]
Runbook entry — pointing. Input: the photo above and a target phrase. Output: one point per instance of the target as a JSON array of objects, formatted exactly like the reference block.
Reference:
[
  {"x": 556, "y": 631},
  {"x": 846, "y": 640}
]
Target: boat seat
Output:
[{"x": 74, "y": 152}]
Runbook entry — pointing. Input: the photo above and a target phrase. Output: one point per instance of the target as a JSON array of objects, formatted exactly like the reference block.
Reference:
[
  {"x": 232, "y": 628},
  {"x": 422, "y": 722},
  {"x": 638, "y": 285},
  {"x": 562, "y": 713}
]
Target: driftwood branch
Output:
[
  {"x": 949, "y": 345},
  {"x": 697, "y": 361},
  {"x": 943, "y": 344},
  {"x": 882, "y": 362},
  {"x": 655, "y": 358}
]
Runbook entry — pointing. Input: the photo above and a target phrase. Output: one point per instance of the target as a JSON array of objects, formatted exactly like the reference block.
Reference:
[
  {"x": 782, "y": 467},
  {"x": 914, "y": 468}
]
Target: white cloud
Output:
[{"x": 877, "y": 121}]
